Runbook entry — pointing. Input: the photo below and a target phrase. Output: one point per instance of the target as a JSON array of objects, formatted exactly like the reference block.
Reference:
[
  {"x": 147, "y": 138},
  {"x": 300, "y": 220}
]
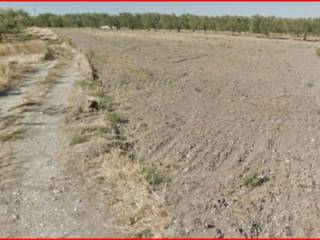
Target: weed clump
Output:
[
  {"x": 254, "y": 180},
  {"x": 152, "y": 176},
  {"x": 147, "y": 233},
  {"x": 116, "y": 119},
  {"x": 49, "y": 55},
  {"x": 105, "y": 102},
  {"x": 77, "y": 138}
]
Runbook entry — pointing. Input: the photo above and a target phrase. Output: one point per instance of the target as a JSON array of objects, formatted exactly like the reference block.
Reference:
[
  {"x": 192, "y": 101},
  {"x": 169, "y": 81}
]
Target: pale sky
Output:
[{"x": 284, "y": 9}]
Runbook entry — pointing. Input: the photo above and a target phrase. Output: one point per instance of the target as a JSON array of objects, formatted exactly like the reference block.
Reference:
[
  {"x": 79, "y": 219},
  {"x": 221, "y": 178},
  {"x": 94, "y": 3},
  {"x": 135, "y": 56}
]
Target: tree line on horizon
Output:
[{"x": 14, "y": 20}]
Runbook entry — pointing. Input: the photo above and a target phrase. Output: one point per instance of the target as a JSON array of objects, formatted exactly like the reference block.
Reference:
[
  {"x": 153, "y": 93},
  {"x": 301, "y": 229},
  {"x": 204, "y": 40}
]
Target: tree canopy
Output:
[
  {"x": 15, "y": 20},
  {"x": 12, "y": 21}
]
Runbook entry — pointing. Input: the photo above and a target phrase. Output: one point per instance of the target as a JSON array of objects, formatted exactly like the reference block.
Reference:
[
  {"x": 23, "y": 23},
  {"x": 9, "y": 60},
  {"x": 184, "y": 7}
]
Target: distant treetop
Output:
[{"x": 11, "y": 20}]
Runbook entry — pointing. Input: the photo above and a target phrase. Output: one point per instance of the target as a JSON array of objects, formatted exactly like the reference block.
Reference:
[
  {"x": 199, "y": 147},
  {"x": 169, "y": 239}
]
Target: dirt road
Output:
[{"x": 42, "y": 194}]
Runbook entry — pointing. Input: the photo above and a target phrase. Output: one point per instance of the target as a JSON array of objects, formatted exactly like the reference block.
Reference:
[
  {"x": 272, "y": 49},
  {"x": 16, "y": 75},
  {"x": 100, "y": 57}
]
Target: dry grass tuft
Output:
[
  {"x": 10, "y": 120},
  {"x": 4, "y": 77},
  {"x": 16, "y": 58},
  {"x": 141, "y": 209},
  {"x": 318, "y": 51},
  {"x": 115, "y": 118},
  {"x": 27, "y": 104},
  {"x": 27, "y": 47},
  {"x": 49, "y": 55},
  {"x": 77, "y": 138},
  {"x": 13, "y": 135}
]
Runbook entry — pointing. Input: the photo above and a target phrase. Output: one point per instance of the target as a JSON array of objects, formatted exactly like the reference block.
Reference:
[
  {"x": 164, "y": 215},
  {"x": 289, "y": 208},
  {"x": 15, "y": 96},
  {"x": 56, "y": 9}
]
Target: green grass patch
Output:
[
  {"x": 253, "y": 180},
  {"x": 105, "y": 102},
  {"x": 77, "y": 138},
  {"x": 153, "y": 176},
  {"x": 115, "y": 118}
]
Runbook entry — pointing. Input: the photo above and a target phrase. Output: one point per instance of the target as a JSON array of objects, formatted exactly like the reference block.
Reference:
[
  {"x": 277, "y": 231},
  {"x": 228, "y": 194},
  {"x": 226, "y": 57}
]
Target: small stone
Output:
[
  {"x": 17, "y": 193},
  {"x": 210, "y": 225},
  {"x": 263, "y": 179},
  {"x": 15, "y": 216},
  {"x": 57, "y": 191},
  {"x": 93, "y": 104},
  {"x": 186, "y": 170}
]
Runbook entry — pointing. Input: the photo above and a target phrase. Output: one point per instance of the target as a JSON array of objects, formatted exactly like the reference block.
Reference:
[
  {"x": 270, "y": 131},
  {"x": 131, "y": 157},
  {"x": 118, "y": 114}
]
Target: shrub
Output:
[{"x": 115, "y": 118}]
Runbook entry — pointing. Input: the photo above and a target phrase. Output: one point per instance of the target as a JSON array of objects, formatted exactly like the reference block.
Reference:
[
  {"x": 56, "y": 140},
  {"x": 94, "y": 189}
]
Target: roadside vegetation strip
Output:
[{"x": 137, "y": 189}]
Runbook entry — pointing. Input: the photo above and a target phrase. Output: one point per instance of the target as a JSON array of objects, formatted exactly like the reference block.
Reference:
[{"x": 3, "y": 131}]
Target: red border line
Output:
[
  {"x": 160, "y": 238},
  {"x": 156, "y": 1},
  {"x": 195, "y": 238}
]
